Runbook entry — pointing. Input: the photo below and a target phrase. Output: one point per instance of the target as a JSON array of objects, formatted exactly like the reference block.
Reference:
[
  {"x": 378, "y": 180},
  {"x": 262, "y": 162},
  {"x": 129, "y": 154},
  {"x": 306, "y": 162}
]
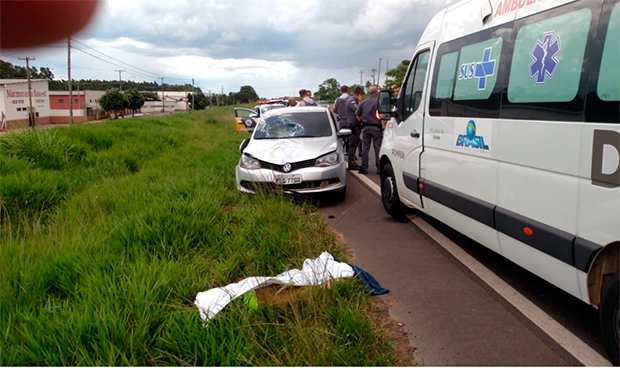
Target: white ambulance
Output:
[{"x": 507, "y": 129}]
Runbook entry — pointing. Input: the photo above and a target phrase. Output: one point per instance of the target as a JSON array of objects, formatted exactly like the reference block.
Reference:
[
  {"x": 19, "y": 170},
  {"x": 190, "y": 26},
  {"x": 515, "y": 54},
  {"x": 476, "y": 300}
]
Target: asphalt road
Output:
[{"x": 452, "y": 317}]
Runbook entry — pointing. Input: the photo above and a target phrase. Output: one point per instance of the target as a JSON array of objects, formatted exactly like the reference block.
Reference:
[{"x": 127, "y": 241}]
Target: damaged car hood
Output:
[{"x": 281, "y": 151}]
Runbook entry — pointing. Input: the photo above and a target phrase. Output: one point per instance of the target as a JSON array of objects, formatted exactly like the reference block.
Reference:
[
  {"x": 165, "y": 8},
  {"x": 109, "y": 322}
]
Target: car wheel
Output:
[
  {"x": 340, "y": 195},
  {"x": 609, "y": 314},
  {"x": 389, "y": 192}
]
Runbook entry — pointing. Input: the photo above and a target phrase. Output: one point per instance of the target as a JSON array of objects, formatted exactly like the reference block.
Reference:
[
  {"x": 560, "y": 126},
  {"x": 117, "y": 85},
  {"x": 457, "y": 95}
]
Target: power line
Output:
[
  {"x": 109, "y": 62},
  {"x": 128, "y": 66},
  {"x": 120, "y": 61}
]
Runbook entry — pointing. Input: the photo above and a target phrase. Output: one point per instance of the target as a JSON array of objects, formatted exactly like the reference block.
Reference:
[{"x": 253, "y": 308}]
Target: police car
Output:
[
  {"x": 507, "y": 129},
  {"x": 247, "y": 119}
]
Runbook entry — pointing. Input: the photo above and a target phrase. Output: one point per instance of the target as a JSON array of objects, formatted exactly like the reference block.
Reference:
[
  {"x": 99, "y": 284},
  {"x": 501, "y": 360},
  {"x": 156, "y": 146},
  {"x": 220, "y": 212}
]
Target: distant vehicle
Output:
[
  {"x": 323, "y": 103},
  {"x": 297, "y": 150},
  {"x": 246, "y": 119},
  {"x": 507, "y": 129}
]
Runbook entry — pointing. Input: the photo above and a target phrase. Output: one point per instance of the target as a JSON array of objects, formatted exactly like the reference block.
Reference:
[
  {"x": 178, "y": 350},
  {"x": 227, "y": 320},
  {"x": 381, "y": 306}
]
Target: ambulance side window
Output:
[
  {"x": 603, "y": 98},
  {"x": 548, "y": 58},
  {"x": 608, "y": 88},
  {"x": 470, "y": 74},
  {"x": 414, "y": 85}
]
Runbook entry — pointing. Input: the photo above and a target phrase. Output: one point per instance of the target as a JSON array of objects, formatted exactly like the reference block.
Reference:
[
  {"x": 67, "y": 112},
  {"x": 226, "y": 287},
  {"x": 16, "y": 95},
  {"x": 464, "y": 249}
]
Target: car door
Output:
[
  {"x": 408, "y": 132},
  {"x": 243, "y": 119}
]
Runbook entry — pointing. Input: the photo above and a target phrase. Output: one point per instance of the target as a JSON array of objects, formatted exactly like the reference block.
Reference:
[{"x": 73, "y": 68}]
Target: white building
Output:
[{"x": 15, "y": 101}]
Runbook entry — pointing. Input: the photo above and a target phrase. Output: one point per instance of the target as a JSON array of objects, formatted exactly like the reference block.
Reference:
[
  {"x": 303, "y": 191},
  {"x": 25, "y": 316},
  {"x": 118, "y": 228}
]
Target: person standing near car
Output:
[
  {"x": 292, "y": 102},
  {"x": 305, "y": 98},
  {"x": 339, "y": 107},
  {"x": 350, "y": 107},
  {"x": 372, "y": 128}
]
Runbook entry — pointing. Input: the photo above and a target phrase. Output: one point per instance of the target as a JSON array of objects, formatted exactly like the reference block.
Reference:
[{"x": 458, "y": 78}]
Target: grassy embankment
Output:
[{"x": 108, "y": 231}]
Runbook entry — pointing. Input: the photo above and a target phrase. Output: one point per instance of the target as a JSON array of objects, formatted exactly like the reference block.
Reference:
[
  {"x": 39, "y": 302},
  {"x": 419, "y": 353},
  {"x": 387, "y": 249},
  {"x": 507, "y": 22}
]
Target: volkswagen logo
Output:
[{"x": 286, "y": 167}]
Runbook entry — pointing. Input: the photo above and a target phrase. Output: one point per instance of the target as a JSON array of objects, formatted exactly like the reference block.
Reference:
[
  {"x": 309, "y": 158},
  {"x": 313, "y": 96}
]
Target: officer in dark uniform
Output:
[
  {"x": 355, "y": 125},
  {"x": 339, "y": 107},
  {"x": 372, "y": 128}
]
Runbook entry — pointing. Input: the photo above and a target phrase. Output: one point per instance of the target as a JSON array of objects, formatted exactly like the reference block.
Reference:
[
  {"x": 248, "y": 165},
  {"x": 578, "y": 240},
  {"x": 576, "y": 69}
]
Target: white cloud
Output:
[{"x": 277, "y": 46}]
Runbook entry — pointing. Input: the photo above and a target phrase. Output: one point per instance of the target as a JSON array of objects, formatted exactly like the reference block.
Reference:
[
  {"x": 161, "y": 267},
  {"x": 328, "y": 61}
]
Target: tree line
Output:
[
  {"x": 149, "y": 90},
  {"x": 329, "y": 90}
]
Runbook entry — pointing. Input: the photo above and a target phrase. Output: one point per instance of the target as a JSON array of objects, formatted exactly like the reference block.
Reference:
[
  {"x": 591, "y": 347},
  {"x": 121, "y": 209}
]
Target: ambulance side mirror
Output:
[{"x": 384, "y": 105}]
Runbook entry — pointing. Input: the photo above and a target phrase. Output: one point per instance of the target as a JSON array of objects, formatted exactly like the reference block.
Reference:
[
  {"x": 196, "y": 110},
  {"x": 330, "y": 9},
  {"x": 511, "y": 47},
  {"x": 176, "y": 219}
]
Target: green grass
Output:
[{"x": 108, "y": 231}]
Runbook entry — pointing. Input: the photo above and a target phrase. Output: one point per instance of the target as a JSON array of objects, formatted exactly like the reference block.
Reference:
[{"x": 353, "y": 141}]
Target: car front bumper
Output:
[{"x": 313, "y": 179}]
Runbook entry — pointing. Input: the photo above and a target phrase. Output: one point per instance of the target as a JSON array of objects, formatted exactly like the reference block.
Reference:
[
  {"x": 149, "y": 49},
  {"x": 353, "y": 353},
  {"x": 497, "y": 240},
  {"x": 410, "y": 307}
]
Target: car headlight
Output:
[
  {"x": 329, "y": 159},
  {"x": 248, "y": 162}
]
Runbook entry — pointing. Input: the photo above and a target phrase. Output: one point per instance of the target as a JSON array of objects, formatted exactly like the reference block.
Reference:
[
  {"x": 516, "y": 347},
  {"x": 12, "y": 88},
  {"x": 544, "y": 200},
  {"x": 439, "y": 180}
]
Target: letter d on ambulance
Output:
[{"x": 606, "y": 159}]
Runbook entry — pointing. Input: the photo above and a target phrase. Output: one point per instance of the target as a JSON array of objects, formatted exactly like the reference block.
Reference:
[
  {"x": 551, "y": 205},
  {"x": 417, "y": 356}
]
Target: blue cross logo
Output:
[
  {"x": 485, "y": 68},
  {"x": 544, "y": 58}
]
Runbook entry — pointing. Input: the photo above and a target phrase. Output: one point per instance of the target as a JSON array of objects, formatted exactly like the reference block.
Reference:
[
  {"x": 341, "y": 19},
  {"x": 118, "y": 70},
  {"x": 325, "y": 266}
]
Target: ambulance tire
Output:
[
  {"x": 389, "y": 192},
  {"x": 609, "y": 314}
]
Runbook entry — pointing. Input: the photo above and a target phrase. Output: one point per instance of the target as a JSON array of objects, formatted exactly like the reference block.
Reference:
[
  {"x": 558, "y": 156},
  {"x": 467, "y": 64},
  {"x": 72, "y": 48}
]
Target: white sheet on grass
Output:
[{"x": 314, "y": 272}]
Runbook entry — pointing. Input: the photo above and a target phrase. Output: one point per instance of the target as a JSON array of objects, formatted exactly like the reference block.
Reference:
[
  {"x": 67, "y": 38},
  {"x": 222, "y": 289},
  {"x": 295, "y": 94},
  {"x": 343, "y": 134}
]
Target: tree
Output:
[
  {"x": 353, "y": 86},
  {"x": 396, "y": 75},
  {"x": 135, "y": 100},
  {"x": 46, "y": 73},
  {"x": 245, "y": 95},
  {"x": 200, "y": 101},
  {"x": 113, "y": 100},
  {"x": 329, "y": 90}
]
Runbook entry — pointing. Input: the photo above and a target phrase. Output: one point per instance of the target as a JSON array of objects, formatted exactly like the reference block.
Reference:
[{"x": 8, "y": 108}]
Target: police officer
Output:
[
  {"x": 372, "y": 127},
  {"x": 339, "y": 107},
  {"x": 355, "y": 125},
  {"x": 306, "y": 100}
]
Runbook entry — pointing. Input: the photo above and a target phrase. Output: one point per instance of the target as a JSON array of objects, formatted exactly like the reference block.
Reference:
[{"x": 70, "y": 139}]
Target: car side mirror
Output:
[
  {"x": 384, "y": 105},
  {"x": 243, "y": 145},
  {"x": 344, "y": 132}
]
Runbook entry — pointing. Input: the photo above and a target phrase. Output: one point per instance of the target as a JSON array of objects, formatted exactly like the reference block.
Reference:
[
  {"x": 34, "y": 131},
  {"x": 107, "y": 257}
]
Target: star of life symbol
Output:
[
  {"x": 544, "y": 58},
  {"x": 287, "y": 167},
  {"x": 485, "y": 68}
]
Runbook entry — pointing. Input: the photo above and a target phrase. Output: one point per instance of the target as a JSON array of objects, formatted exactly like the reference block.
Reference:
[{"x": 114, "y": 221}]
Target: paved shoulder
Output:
[{"x": 452, "y": 317}]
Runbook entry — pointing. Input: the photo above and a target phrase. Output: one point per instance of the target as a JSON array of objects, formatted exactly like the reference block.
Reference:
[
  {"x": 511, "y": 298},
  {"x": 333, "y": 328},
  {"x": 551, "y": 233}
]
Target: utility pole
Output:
[
  {"x": 210, "y": 100},
  {"x": 379, "y": 77},
  {"x": 361, "y": 83},
  {"x": 193, "y": 94},
  {"x": 372, "y": 74},
  {"x": 186, "y": 99},
  {"x": 79, "y": 99},
  {"x": 31, "y": 119},
  {"x": 163, "y": 102},
  {"x": 69, "y": 81},
  {"x": 120, "y": 82}
]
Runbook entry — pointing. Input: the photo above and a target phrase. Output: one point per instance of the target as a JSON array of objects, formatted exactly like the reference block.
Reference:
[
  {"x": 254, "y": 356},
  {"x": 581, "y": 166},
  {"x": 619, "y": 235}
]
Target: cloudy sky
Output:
[{"x": 277, "y": 47}]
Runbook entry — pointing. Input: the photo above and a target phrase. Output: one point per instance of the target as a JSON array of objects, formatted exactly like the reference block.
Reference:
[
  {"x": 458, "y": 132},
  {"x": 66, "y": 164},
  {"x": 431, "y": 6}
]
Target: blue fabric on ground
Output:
[{"x": 369, "y": 282}]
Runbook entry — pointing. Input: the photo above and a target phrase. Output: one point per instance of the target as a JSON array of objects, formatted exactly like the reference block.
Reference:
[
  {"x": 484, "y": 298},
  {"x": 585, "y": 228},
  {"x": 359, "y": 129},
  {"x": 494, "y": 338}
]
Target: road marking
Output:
[{"x": 571, "y": 343}]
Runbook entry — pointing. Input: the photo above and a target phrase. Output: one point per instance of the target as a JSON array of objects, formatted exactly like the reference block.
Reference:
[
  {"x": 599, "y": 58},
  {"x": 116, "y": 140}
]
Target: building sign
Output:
[{"x": 35, "y": 93}]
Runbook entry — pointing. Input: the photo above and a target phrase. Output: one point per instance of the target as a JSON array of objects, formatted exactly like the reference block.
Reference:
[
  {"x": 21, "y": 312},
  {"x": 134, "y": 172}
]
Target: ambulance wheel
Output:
[
  {"x": 609, "y": 313},
  {"x": 389, "y": 192}
]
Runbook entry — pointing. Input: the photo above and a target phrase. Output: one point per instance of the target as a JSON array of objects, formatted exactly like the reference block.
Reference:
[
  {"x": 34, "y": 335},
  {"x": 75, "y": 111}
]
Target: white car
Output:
[{"x": 296, "y": 150}]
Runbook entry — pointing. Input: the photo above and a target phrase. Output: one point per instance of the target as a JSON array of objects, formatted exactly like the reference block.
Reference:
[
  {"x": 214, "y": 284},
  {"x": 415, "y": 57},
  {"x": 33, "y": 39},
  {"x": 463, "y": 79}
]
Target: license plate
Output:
[{"x": 288, "y": 179}]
